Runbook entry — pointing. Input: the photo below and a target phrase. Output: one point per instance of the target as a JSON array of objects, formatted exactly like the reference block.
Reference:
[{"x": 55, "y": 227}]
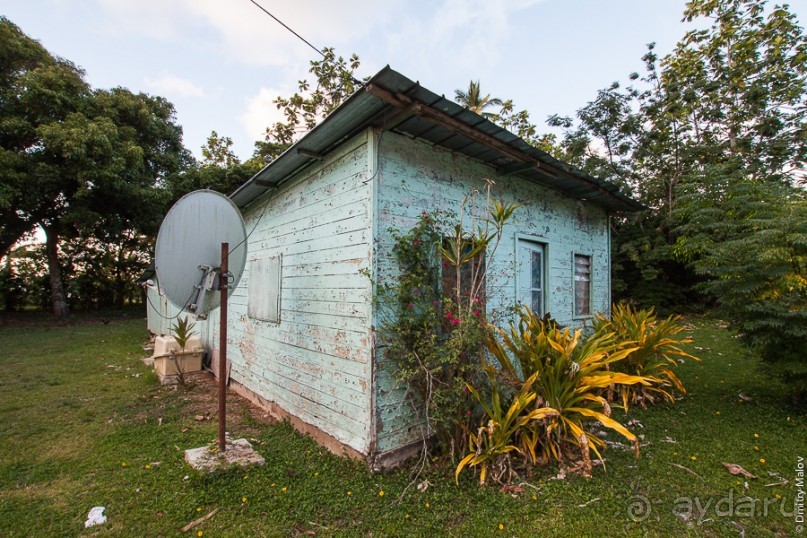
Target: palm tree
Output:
[{"x": 473, "y": 100}]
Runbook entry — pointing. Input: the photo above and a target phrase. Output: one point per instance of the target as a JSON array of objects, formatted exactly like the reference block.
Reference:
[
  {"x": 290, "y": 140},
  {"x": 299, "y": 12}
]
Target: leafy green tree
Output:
[
  {"x": 220, "y": 169},
  {"x": 757, "y": 269},
  {"x": 78, "y": 161},
  {"x": 36, "y": 89},
  {"x": 726, "y": 104},
  {"x": 335, "y": 81},
  {"x": 218, "y": 151}
]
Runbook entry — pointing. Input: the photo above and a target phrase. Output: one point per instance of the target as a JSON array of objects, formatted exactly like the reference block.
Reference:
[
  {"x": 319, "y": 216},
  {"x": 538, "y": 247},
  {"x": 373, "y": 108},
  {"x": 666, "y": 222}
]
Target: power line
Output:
[
  {"x": 304, "y": 40},
  {"x": 301, "y": 38}
]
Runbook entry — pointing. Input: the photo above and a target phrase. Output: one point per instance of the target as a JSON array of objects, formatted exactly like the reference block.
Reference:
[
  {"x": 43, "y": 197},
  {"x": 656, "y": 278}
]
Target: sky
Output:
[{"x": 223, "y": 62}]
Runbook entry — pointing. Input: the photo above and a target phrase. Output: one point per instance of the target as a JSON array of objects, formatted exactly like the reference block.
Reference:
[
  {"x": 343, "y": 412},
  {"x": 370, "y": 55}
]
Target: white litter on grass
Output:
[{"x": 95, "y": 517}]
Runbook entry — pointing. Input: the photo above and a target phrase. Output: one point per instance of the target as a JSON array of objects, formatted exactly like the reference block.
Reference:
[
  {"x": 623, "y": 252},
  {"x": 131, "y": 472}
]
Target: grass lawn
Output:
[{"x": 84, "y": 423}]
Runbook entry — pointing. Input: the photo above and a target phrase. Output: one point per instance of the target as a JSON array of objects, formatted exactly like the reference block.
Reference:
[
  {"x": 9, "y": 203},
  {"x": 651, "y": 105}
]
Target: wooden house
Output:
[{"x": 302, "y": 323}]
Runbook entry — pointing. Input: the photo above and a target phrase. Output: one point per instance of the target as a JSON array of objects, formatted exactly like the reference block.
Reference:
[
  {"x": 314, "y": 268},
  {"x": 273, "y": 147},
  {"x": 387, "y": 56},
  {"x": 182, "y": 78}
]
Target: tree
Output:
[
  {"x": 220, "y": 170},
  {"x": 36, "y": 89},
  {"x": 726, "y": 105},
  {"x": 335, "y": 82},
  {"x": 78, "y": 161},
  {"x": 473, "y": 100},
  {"x": 757, "y": 269},
  {"x": 218, "y": 151}
]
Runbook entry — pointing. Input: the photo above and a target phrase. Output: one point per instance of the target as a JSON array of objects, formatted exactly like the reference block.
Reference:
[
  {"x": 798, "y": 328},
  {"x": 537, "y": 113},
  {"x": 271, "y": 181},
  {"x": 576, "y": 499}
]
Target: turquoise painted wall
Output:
[
  {"x": 413, "y": 177},
  {"x": 316, "y": 363}
]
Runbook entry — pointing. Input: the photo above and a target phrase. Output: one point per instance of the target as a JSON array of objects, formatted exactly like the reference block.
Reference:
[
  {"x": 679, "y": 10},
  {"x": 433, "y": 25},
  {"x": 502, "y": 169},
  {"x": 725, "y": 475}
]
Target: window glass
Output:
[{"x": 582, "y": 285}]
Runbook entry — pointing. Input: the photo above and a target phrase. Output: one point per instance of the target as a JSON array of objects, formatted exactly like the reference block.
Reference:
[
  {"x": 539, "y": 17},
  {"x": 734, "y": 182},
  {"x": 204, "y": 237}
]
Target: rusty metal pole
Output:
[{"x": 223, "y": 281}]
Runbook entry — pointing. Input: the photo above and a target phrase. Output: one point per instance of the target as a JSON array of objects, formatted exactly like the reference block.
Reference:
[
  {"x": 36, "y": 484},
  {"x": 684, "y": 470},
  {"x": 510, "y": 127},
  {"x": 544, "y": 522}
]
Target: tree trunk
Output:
[{"x": 57, "y": 297}]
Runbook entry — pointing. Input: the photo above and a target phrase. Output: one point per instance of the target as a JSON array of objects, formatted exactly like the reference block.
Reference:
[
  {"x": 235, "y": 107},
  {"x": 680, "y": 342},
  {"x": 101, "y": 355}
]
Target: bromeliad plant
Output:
[
  {"x": 566, "y": 376},
  {"x": 656, "y": 352},
  {"x": 507, "y": 431}
]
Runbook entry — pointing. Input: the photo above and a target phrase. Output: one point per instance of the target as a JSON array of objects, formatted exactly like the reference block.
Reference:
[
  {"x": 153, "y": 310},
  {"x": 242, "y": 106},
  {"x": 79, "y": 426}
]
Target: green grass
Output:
[{"x": 76, "y": 404}]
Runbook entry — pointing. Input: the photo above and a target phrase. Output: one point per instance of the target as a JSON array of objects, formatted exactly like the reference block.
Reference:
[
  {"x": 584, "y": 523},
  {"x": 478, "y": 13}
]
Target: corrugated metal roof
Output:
[{"x": 420, "y": 113}]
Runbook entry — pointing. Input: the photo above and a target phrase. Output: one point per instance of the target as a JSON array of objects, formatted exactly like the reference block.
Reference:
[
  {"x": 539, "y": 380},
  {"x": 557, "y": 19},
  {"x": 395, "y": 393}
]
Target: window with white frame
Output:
[
  {"x": 530, "y": 275},
  {"x": 582, "y": 285},
  {"x": 263, "y": 288}
]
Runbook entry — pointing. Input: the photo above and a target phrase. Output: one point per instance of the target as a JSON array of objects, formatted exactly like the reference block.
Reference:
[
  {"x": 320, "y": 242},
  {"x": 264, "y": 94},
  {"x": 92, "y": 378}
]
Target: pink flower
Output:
[
  {"x": 476, "y": 299},
  {"x": 455, "y": 321},
  {"x": 468, "y": 413},
  {"x": 476, "y": 313},
  {"x": 436, "y": 303},
  {"x": 411, "y": 305}
]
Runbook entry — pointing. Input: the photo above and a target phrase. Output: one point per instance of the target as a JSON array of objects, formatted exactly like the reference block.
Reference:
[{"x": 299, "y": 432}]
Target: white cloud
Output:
[
  {"x": 462, "y": 36},
  {"x": 261, "y": 112},
  {"x": 254, "y": 37},
  {"x": 158, "y": 19},
  {"x": 173, "y": 85},
  {"x": 248, "y": 34}
]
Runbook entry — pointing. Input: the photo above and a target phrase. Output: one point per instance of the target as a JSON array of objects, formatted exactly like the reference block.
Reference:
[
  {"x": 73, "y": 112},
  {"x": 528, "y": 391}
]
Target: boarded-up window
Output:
[
  {"x": 263, "y": 295},
  {"x": 582, "y": 285}
]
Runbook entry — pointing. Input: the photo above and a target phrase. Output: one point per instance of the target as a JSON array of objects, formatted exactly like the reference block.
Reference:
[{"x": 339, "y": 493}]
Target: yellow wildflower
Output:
[
  {"x": 350, "y": 493},
  {"x": 148, "y": 466},
  {"x": 200, "y": 533},
  {"x": 427, "y": 505},
  {"x": 762, "y": 460},
  {"x": 693, "y": 458},
  {"x": 199, "y": 509},
  {"x": 756, "y": 435},
  {"x": 381, "y": 493},
  {"x": 501, "y": 527},
  {"x": 283, "y": 489}
]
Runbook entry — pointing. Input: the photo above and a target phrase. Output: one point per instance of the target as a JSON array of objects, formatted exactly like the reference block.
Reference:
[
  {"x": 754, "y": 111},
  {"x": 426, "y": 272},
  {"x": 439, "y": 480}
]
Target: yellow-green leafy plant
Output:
[
  {"x": 505, "y": 432},
  {"x": 182, "y": 331},
  {"x": 656, "y": 353},
  {"x": 569, "y": 375}
]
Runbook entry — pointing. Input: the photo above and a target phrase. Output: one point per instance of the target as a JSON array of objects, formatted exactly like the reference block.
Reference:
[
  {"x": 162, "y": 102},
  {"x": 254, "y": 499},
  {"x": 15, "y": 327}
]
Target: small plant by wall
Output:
[{"x": 182, "y": 331}]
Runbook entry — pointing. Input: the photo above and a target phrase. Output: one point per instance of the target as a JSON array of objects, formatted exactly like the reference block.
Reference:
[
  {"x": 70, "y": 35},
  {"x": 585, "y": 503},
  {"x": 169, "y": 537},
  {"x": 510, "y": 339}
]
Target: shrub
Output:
[
  {"x": 655, "y": 355},
  {"x": 567, "y": 377},
  {"x": 505, "y": 432},
  {"x": 432, "y": 326}
]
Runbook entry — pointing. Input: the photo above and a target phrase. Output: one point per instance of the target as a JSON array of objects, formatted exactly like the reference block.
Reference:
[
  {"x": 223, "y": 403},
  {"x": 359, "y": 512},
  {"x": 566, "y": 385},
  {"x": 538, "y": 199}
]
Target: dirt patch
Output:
[{"x": 200, "y": 401}]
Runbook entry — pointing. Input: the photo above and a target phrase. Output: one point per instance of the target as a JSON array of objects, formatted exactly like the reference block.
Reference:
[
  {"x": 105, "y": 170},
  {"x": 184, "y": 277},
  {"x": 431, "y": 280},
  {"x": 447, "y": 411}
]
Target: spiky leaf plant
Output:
[
  {"x": 183, "y": 330},
  {"x": 505, "y": 432},
  {"x": 656, "y": 353},
  {"x": 570, "y": 375}
]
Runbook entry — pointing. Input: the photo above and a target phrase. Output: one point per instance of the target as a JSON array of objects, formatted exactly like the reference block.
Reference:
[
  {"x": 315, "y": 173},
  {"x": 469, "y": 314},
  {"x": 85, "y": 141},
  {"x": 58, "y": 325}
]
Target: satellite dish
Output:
[{"x": 188, "y": 251}]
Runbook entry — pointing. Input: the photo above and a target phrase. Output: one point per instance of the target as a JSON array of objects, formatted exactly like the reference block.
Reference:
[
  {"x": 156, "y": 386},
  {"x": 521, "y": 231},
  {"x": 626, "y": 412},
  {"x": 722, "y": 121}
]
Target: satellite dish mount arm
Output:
[{"x": 207, "y": 284}]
